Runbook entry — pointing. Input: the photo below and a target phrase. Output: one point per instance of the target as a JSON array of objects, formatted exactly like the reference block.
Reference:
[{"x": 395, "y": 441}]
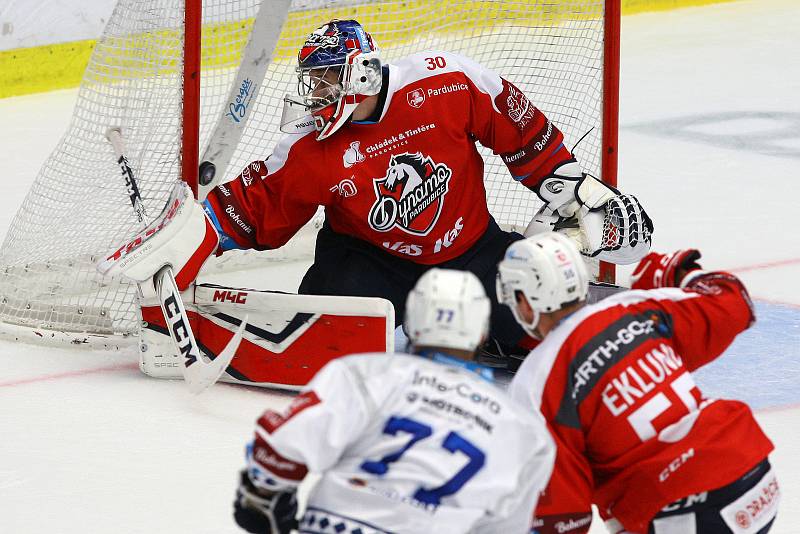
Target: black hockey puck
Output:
[{"x": 207, "y": 172}]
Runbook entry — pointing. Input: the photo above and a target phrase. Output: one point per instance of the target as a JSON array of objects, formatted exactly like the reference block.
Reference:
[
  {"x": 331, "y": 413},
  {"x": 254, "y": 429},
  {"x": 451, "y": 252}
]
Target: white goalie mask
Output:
[
  {"x": 339, "y": 66},
  {"x": 447, "y": 309},
  {"x": 547, "y": 270}
]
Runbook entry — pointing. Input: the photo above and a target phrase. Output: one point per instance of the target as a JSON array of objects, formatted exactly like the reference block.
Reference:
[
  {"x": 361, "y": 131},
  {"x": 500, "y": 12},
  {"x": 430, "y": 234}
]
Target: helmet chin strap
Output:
[{"x": 530, "y": 328}]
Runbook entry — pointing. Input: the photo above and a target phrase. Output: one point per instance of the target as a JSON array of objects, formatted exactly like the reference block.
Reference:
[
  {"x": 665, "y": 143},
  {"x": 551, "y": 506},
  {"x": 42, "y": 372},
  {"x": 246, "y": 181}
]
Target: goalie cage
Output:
[{"x": 143, "y": 77}]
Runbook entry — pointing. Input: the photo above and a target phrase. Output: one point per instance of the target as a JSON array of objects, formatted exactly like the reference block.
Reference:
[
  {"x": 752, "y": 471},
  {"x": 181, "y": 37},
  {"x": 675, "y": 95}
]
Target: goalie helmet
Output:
[
  {"x": 339, "y": 66},
  {"x": 547, "y": 270},
  {"x": 448, "y": 309}
]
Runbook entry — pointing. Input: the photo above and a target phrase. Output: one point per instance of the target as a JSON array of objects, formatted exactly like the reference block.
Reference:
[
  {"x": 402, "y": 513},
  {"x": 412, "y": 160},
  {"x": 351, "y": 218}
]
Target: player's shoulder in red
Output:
[
  {"x": 603, "y": 332},
  {"x": 300, "y": 148},
  {"x": 632, "y": 303},
  {"x": 618, "y": 317},
  {"x": 305, "y": 161}
]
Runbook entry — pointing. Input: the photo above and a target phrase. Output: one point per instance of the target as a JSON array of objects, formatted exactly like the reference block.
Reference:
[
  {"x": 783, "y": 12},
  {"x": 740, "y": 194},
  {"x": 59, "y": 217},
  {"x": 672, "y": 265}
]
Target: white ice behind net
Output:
[{"x": 77, "y": 209}]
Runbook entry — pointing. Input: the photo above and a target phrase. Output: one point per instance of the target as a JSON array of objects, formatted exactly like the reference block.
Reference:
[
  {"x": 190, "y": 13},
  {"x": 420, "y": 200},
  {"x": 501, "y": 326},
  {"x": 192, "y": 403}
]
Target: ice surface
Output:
[{"x": 709, "y": 141}]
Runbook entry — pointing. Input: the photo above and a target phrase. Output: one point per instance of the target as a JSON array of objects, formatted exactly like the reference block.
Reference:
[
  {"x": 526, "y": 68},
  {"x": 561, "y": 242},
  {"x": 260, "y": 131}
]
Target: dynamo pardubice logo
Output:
[{"x": 411, "y": 195}]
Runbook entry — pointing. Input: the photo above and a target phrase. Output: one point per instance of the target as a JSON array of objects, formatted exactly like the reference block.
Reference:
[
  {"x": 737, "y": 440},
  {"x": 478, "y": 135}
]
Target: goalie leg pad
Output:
[{"x": 288, "y": 337}]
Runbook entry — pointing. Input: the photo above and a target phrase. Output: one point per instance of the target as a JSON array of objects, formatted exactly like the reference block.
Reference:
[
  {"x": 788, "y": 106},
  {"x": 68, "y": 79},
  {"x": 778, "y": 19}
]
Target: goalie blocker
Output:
[{"x": 288, "y": 337}]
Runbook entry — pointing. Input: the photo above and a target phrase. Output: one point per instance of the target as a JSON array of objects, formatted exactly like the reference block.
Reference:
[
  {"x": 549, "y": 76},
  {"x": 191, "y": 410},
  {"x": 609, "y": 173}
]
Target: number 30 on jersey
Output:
[{"x": 434, "y": 63}]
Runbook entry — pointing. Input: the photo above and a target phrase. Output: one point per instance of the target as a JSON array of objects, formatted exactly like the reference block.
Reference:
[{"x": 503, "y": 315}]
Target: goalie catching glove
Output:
[
  {"x": 181, "y": 236},
  {"x": 604, "y": 223}
]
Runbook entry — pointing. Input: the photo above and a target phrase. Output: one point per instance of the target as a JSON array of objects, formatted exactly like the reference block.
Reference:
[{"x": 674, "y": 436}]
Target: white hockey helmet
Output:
[
  {"x": 448, "y": 309},
  {"x": 547, "y": 270}
]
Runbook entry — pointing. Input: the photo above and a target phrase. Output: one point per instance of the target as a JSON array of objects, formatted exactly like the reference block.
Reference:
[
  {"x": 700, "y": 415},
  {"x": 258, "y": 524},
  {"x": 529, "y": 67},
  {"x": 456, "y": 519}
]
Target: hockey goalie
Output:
[{"x": 389, "y": 150}]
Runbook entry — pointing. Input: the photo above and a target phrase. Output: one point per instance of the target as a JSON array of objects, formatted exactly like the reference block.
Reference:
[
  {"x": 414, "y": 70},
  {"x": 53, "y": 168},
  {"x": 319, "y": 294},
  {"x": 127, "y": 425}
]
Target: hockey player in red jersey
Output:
[
  {"x": 390, "y": 151},
  {"x": 634, "y": 434},
  {"x": 404, "y": 443}
]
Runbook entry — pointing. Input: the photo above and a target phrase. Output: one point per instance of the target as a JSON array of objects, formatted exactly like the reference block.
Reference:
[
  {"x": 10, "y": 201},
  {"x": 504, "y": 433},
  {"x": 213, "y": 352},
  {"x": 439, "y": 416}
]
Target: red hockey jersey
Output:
[
  {"x": 633, "y": 432},
  {"x": 412, "y": 183}
]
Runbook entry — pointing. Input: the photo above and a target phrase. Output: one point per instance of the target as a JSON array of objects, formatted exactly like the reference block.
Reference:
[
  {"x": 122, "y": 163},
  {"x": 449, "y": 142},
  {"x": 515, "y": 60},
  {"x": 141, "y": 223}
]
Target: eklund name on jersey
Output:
[
  {"x": 411, "y": 195},
  {"x": 603, "y": 351},
  {"x": 642, "y": 376}
]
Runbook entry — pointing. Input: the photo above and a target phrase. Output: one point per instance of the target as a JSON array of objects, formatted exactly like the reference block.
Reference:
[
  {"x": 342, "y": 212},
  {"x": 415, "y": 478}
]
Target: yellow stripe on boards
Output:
[
  {"x": 60, "y": 66},
  {"x": 633, "y": 7},
  {"x": 43, "y": 68}
]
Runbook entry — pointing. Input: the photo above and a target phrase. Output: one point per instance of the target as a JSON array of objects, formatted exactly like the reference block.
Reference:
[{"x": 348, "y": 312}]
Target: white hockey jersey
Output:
[{"x": 405, "y": 445}]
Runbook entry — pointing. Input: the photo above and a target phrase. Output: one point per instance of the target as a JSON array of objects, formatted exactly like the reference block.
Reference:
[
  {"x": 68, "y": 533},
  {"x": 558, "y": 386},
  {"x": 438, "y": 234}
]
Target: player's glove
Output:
[
  {"x": 604, "y": 223},
  {"x": 664, "y": 270},
  {"x": 181, "y": 236},
  {"x": 260, "y": 514},
  {"x": 621, "y": 233}
]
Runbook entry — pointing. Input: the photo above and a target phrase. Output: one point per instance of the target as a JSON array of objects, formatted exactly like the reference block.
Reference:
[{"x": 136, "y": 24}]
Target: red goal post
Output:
[
  {"x": 167, "y": 72},
  {"x": 609, "y": 150}
]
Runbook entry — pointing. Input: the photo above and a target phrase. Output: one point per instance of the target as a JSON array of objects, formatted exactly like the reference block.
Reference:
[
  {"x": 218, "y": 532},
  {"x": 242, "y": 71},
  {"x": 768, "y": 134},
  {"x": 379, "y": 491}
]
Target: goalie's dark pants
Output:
[{"x": 344, "y": 265}]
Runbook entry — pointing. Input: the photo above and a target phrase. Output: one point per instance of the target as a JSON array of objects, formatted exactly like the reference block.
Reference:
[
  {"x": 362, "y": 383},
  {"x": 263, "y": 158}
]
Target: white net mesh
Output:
[{"x": 77, "y": 209}]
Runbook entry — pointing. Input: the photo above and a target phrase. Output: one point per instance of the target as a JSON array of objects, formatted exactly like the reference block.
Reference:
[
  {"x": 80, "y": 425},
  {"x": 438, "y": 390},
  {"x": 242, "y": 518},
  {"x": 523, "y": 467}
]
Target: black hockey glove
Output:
[{"x": 264, "y": 515}]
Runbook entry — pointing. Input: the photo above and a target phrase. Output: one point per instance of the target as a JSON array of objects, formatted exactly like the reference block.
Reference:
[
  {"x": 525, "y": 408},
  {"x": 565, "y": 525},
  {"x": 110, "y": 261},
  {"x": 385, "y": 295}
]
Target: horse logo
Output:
[
  {"x": 411, "y": 195},
  {"x": 415, "y": 98}
]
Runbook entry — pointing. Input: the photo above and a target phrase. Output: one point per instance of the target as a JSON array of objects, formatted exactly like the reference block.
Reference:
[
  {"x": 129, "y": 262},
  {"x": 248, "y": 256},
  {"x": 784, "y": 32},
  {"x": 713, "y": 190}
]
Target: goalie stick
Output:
[
  {"x": 242, "y": 97},
  {"x": 199, "y": 371}
]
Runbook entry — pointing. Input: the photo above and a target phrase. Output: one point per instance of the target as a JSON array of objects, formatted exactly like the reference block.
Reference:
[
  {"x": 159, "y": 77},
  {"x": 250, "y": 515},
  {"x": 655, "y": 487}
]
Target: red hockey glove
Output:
[{"x": 664, "y": 270}]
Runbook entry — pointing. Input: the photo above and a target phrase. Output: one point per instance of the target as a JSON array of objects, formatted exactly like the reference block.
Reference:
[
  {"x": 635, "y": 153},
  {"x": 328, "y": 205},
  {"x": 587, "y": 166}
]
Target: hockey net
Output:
[{"x": 77, "y": 209}]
